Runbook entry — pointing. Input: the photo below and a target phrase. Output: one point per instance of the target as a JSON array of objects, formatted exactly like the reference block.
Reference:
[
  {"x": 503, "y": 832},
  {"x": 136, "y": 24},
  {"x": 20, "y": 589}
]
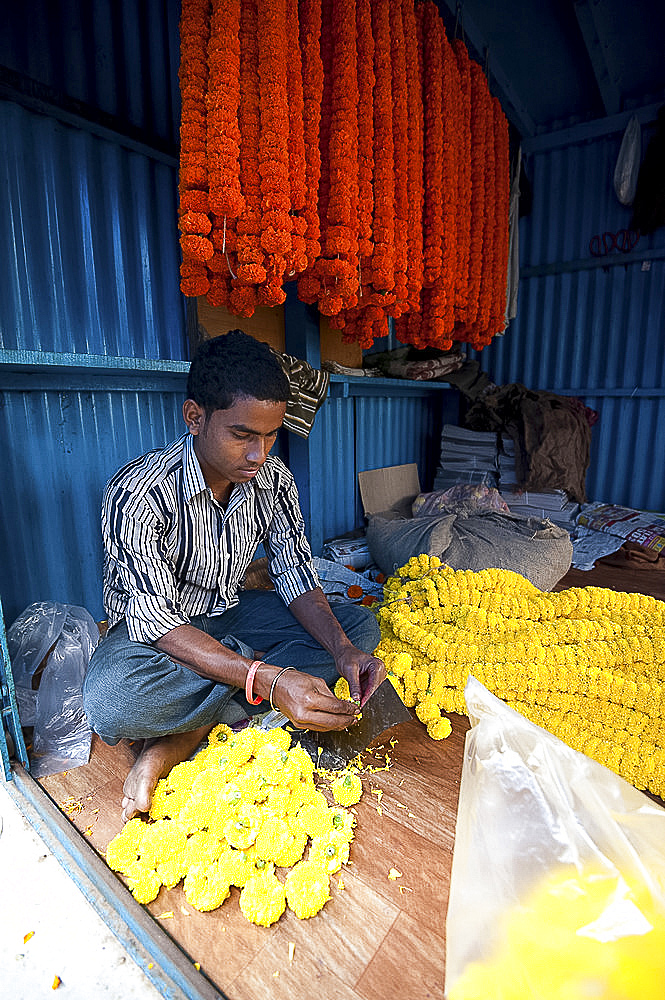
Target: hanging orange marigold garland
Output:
[
  {"x": 193, "y": 76},
  {"x": 250, "y": 254},
  {"x": 401, "y": 157},
  {"x": 338, "y": 268},
  {"x": 479, "y": 129},
  {"x": 312, "y": 82},
  {"x": 415, "y": 157},
  {"x": 463, "y": 179},
  {"x": 352, "y": 126},
  {"x": 296, "y": 261},
  {"x": 274, "y": 147},
  {"x": 501, "y": 217}
]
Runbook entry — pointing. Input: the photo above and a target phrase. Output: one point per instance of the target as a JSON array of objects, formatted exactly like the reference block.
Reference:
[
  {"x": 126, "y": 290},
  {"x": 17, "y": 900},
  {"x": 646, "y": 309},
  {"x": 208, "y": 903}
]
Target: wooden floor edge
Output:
[{"x": 171, "y": 971}]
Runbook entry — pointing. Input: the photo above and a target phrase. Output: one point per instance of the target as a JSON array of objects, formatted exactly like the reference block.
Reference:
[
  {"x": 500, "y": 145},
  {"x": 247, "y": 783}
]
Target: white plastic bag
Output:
[
  {"x": 628, "y": 163},
  {"x": 62, "y": 736},
  {"x": 558, "y": 878}
]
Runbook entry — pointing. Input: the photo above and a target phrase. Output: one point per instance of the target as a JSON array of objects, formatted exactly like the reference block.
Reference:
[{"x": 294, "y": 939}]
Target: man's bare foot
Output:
[{"x": 154, "y": 762}]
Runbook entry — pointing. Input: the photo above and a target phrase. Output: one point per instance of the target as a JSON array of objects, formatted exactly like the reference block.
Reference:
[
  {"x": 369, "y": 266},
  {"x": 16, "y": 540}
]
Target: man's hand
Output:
[
  {"x": 363, "y": 672},
  {"x": 310, "y": 704}
]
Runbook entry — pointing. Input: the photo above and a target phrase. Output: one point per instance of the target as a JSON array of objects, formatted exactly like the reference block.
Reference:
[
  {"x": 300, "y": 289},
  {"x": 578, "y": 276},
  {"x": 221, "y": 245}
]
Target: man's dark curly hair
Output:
[{"x": 234, "y": 365}]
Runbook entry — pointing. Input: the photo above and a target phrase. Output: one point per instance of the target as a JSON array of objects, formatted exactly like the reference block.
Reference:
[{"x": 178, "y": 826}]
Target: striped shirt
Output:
[{"x": 172, "y": 552}]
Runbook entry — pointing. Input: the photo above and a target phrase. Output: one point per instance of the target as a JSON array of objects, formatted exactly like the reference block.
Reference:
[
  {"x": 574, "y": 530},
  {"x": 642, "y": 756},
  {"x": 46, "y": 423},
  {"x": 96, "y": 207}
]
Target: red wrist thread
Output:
[{"x": 249, "y": 683}]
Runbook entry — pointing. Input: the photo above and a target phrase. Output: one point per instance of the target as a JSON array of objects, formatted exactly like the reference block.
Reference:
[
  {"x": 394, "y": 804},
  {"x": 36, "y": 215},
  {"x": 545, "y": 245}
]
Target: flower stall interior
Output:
[{"x": 335, "y": 178}]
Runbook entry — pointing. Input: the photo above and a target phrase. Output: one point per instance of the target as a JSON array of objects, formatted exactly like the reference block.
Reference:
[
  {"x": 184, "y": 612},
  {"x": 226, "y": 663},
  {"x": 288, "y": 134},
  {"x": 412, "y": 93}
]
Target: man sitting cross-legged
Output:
[{"x": 185, "y": 649}]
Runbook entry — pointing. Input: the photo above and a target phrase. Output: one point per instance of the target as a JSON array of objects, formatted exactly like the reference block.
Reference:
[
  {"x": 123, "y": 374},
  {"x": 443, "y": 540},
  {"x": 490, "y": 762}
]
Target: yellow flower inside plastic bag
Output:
[{"x": 580, "y": 935}]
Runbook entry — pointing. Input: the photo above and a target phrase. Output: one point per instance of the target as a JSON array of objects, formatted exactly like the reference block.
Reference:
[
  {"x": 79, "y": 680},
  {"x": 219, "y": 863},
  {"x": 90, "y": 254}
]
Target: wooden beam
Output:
[
  {"x": 587, "y": 131},
  {"x": 590, "y": 18}
]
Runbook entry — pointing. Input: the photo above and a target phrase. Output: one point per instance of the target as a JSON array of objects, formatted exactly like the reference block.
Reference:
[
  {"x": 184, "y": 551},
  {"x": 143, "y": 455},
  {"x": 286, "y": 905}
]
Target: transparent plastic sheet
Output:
[
  {"x": 65, "y": 635},
  {"x": 558, "y": 876}
]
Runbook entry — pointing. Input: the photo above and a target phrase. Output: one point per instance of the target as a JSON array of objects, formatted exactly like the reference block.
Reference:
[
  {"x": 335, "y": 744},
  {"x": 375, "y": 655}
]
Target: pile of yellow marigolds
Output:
[
  {"x": 246, "y": 804},
  {"x": 587, "y": 664}
]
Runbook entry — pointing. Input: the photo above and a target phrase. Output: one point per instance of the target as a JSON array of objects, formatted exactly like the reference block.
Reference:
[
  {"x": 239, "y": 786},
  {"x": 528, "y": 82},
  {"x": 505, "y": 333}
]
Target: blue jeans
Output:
[{"x": 133, "y": 690}]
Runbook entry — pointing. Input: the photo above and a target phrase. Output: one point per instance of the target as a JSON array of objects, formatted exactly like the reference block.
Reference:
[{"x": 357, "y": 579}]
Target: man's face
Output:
[{"x": 232, "y": 445}]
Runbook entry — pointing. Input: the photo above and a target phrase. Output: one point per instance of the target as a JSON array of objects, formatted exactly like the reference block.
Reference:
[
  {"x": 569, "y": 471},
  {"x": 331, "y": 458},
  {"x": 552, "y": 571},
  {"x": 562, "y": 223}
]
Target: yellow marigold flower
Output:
[
  {"x": 278, "y": 799},
  {"x": 237, "y": 866},
  {"x": 206, "y": 887},
  {"x": 330, "y": 851},
  {"x": 274, "y": 839},
  {"x": 161, "y": 840},
  {"x": 307, "y": 889},
  {"x": 342, "y": 823},
  {"x": 144, "y": 882},
  {"x": 204, "y": 811},
  {"x": 159, "y": 808},
  {"x": 301, "y": 792},
  {"x": 314, "y": 819},
  {"x": 440, "y": 729},
  {"x": 397, "y": 684},
  {"x": 347, "y": 789},
  {"x": 245, "y": 743},
  {"x": 401, "y": 663},
  {"x": 428, "y": 710},
  {"x": 293, "y": 852},
  {"x": 263, "y": 899},
  {"x": 341, "y": 689},
  {"x": 410, "y": 697},
  {"x": 422, "y": 680},
  {"x": 220, "y": 734},
  {"x": 202, "y": 849},
  {"x": 270, "y": 761},
  {"x": 123, "y": 851},
  {"x": 182, "y": 775},
  {"x": 302, "y": 759},
  {"x": 279, "y": 737},
  {"x": 242, "y": 829},
  {"x": 222, "y": 761}
]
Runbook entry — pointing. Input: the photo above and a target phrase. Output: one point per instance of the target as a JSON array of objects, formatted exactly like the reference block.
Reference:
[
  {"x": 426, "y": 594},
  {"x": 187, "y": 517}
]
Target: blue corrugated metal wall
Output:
[
  {"x": 59, "y": 448},
  {"x": 592, "y": 328},
  {"x": 118, "y": 56},
  {"x": 91, "y": 234},
  {"x": 369, "y": 426},
  {"x": 89, "y": 295}
]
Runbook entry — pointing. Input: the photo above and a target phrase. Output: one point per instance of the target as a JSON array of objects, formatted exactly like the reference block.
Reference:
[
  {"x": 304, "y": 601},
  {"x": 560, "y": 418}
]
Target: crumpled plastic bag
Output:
[
  {"x": 468, "y": 498},
  {"x": 62, "y": 736},
  {"x": 628, "y": 163},
  {"x": 558, "y": 878}
]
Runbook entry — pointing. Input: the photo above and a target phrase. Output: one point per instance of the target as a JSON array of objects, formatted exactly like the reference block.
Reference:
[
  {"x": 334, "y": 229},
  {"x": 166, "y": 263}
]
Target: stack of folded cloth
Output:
[{"x": 467, "y": 457}]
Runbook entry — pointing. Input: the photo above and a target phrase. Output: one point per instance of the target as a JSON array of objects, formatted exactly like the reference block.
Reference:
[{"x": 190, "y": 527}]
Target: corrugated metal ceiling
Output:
[{"x": 552, "y": 63}]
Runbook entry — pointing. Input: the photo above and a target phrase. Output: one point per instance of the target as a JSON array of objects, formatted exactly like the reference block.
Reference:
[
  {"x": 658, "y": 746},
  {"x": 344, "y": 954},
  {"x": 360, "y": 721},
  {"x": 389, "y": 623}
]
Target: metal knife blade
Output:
[{"x": 334, "y": 749}]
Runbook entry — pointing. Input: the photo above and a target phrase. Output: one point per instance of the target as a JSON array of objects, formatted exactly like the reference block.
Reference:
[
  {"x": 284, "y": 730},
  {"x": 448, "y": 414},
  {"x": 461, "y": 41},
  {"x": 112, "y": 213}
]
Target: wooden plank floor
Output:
[{"x": 376, "y": 938}]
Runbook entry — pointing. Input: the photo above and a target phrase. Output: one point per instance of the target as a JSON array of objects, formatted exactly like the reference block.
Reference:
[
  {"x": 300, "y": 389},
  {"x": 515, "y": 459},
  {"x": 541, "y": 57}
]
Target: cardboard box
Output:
[{"x": 391, "y": 489}]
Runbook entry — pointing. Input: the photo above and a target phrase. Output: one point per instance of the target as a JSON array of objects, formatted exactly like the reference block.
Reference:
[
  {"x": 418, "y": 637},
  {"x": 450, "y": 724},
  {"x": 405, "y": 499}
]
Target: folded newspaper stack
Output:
[{"x": 467, "y": 457}]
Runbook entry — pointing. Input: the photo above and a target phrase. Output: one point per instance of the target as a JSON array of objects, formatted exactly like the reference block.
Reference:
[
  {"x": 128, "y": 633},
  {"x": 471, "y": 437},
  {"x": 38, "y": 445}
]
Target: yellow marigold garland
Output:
[{"x": 588, "y": 664}]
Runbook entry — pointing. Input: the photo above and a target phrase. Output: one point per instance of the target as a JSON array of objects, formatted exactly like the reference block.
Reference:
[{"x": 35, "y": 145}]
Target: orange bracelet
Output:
[{"x": 249, "y": 683}]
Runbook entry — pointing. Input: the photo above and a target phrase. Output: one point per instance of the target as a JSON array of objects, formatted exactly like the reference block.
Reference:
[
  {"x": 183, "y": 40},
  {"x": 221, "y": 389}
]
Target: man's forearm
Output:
[
  {"x": 208, "y": 658},
  {"x": 314, "y": 614}
]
